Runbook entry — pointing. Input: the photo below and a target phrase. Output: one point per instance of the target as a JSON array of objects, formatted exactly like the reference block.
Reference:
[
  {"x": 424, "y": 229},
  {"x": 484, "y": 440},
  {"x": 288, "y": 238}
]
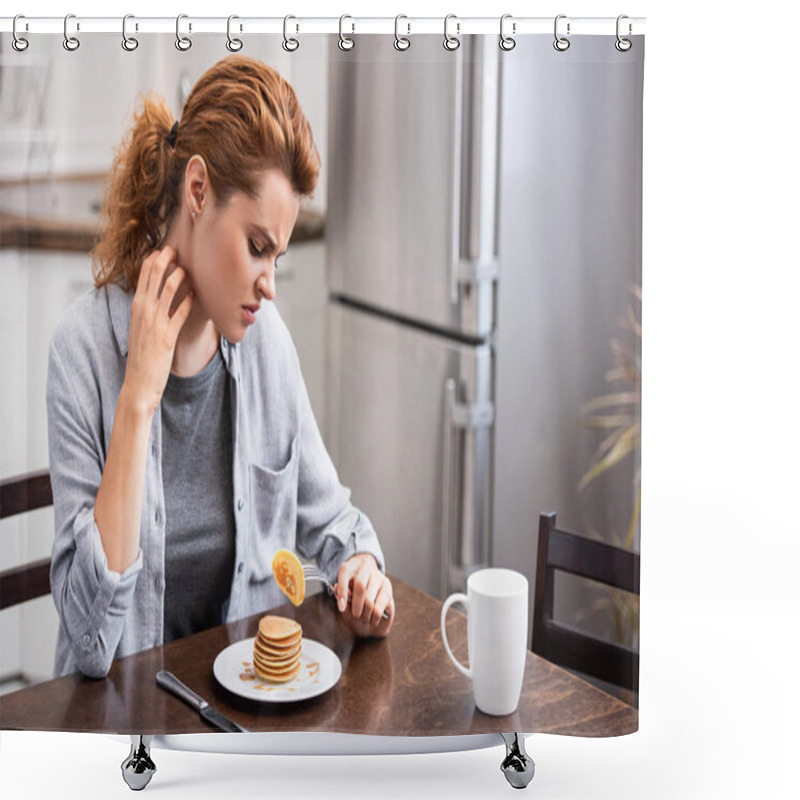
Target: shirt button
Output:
[
  {"x": 154, "y": 449},
  {"x": 158, "y": 583},
  {"x": 158, "y": 516},
  {"x": 86, "y": 639},
  {"x": 240, "y": 567},
  {"x": 241, "y": 504}
]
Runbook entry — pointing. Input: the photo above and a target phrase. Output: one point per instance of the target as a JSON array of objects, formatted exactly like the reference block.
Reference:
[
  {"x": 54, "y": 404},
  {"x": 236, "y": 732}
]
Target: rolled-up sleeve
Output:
[
  {"x": 330, "y": 528},
  {"x": 92, "y": 601}
]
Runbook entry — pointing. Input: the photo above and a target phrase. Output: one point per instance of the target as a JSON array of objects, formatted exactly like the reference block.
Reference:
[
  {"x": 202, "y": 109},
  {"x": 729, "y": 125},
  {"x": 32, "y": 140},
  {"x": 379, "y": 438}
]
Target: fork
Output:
[{"x": 311, "y": 572}]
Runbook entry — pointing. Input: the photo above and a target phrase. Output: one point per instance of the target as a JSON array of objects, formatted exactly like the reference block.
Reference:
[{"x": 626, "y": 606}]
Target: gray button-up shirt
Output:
[{"x": 286, "y": 492}]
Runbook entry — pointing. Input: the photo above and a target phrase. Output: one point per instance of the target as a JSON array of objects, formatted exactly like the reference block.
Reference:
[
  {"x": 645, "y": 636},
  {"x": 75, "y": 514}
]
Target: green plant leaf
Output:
[
  {"x": 611, "y": 421},
  {"x": 637, "y": 509},
  {"x": 607, "y": 444},
  {"x": 623, "y": 447},
  {"x": 620, "y": 415},
  {"x": 620, "y": 398}
]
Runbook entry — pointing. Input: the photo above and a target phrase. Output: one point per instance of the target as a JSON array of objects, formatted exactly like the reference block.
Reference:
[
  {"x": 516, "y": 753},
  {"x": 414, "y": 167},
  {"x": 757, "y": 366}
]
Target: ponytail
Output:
[{"x": 139, "y": 198}]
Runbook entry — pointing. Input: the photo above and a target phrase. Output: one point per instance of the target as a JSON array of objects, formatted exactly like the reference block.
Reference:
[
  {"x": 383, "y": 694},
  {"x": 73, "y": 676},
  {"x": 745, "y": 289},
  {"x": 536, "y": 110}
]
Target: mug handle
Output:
[{"x": 464, "y": 600}]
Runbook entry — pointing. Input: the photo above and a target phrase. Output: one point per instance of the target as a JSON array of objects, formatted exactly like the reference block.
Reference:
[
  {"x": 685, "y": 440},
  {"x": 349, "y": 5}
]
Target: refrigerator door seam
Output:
[{"x": 456, "y": 187}]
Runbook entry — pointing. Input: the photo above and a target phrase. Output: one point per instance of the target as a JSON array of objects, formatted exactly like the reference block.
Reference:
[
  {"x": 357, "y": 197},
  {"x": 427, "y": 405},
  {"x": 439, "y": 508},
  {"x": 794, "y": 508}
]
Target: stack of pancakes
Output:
[{"x": 276, "y": 655}]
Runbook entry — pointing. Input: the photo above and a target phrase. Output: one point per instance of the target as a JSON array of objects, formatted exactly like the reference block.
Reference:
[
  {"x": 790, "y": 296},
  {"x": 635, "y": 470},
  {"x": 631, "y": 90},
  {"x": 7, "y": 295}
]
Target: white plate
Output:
[{"x": 320, "y": 670}]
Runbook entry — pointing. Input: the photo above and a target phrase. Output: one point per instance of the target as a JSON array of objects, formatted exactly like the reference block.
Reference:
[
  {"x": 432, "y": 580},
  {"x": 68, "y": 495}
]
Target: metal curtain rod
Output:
[{"x": 191, "y": 25}]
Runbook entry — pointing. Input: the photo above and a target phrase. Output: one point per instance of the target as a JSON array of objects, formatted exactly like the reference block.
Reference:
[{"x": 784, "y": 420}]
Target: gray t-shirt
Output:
[{"x": 196, "y": 465}]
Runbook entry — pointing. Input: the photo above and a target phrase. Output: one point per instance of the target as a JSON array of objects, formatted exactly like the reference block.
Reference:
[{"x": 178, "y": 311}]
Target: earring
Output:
[{"x": 193, "y": 214}]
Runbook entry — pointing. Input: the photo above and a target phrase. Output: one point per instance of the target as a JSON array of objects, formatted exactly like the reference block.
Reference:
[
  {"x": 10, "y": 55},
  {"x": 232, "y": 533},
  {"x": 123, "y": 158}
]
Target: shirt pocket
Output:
[{"x": 273, "y": 522}]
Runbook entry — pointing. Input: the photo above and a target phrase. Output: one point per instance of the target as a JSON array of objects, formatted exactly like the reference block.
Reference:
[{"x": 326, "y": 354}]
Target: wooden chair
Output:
[
  {"x": 18, "y": 495},
  {"x": 562, "y": 644}
]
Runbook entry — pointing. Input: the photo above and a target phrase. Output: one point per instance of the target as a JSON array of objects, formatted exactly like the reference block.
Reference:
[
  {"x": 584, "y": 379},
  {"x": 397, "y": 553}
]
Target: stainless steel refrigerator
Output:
[{"x": 483, "y": 233}]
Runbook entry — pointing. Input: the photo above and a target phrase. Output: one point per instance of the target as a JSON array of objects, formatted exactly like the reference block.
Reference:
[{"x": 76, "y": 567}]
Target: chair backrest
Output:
[
  {"x": 17, "y": 495},
  {"x": 563, "y": 645}
]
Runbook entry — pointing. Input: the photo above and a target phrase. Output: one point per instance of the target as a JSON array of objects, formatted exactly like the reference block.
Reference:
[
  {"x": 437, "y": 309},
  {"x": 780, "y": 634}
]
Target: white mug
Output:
[{"x": 497, "y": 637}]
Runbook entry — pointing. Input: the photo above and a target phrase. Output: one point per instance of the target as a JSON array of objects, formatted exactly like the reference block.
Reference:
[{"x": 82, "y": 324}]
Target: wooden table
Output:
[{"x": 401, "y": 685}]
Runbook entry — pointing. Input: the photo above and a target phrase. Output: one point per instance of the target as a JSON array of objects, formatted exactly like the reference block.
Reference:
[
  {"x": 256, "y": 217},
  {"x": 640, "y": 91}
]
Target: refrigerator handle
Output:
[
  {"x": 447, "y": 484},
  {"x": 475, "y": 166},
  {"x": 457, "y": 417},
  {"x": 455, "y": 199}
]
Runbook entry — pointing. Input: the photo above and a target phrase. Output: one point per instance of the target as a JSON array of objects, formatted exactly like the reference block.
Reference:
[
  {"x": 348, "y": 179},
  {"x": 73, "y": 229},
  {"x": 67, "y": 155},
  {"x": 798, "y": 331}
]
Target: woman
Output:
[{"x": 183, "y": 448}]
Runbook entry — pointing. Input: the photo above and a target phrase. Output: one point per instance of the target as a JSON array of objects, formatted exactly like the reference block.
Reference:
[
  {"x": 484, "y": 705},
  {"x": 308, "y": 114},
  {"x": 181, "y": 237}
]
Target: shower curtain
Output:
[{"x": 478, "y": 206}]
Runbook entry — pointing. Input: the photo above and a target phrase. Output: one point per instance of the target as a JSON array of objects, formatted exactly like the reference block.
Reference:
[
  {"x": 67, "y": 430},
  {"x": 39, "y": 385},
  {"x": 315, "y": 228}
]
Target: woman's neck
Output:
[
  {"x": 198, "y": 339},
  {"x": 197, "y": 343}
]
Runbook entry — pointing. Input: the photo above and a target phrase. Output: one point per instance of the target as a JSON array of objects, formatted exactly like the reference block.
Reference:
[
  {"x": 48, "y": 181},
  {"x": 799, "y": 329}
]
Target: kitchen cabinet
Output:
[{"x": 36, "y": 286}]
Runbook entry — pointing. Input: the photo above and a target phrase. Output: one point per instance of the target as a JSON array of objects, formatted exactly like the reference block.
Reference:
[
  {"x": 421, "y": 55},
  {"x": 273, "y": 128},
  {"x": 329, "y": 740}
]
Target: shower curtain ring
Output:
[
  {"x": 183, "y": 43},
  {"x": 344, "y": 42},
  {"x": 18, "y": 43},
  {"x": 507, "y": 42},
  {"x": 289, "y": 44},
  {"x": 71, "y": 43},
  {"x": 128, "y": 42},
  {"x": 233, "y": 44},
  {"x": 401, "y": 42},
  {"x": 561, "y": 43},
  {"x": 623, "y": 45},
  {"x": 451, "y": 42}
]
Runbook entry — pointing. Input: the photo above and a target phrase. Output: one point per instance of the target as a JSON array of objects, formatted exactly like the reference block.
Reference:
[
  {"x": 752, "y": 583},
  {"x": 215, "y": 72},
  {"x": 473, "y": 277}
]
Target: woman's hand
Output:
[
  {"x": 154, "y": 328},
  {"x": 371, "y": 594}
]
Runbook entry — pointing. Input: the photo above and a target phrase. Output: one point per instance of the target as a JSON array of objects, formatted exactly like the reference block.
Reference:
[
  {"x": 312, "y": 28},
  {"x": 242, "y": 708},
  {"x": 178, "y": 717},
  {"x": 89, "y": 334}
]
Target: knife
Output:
[{"x": 166, "y": 680}]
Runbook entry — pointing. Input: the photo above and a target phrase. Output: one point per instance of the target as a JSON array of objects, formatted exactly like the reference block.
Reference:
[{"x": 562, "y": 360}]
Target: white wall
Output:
[{"x": 35, "y": 288}]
